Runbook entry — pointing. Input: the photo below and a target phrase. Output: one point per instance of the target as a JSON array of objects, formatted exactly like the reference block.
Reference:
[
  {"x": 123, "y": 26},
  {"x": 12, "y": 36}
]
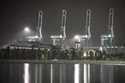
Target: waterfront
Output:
[{"x": 61, "y": 73}]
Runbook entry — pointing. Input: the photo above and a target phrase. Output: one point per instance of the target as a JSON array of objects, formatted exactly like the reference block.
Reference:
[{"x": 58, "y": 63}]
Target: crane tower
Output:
[
  {"x": 62, "y": 36},
  {"x": 109, "y": 37},
  {"x": 87, "y": 34},
  {"x": 38, "y": 36}
]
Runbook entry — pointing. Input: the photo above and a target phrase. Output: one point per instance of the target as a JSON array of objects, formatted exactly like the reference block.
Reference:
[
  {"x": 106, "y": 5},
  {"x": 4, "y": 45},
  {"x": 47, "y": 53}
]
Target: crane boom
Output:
[
  {"x": 63, "y": 24},
  {"x": 88, "y": 22},
  {"x": 87, "y": 34},
  {"x": 111, "y": 21},
  {"x": 40, "y": 18},
  {"x": 110, "y": 35}
]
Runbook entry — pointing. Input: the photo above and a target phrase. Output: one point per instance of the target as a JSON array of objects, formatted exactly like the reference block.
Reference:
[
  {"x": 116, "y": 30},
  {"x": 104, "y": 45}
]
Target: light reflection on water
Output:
[
  {"x": 76, "y": 73},
  {"x": 26, "y": 73},
  {"x": 61, "y": 73}
]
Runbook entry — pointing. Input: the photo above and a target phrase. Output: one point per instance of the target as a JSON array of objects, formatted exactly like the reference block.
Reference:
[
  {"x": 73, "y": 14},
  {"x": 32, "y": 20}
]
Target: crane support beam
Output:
[
  {"x": 88, "y": 22},
  {"x": 63, "y": 24},
  {"x": 40, "y": 22},
  {"x": 111, "y": 21}
]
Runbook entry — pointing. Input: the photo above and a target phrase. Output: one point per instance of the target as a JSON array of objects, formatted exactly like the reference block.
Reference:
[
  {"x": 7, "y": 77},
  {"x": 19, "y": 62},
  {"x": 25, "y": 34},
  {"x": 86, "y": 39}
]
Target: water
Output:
[{"x": 61, "y": 73}]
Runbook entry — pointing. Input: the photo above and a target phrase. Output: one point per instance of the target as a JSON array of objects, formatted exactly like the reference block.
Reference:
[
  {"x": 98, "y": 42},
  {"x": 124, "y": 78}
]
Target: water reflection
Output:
[
  {"x": 61, "y": 73},
  {"x": 76, "y": 73},
  {"x": 86, "y": 73},
  {"x": 51, "y": 73},
  {"x": 38, "y": 73},
  {"x": 26, "y": 73}
]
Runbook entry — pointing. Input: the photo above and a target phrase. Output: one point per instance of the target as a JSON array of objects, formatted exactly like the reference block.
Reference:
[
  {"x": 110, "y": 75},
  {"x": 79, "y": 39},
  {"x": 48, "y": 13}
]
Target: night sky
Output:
[{"x": 16, "y": 14}]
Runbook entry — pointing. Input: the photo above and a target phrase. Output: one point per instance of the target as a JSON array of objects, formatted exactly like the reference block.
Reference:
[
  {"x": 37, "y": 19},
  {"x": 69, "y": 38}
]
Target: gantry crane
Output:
[
  {"x": 38, "y": 36},
  {"x": 109, "y": 37},
  {"x": 87, "y": 34},
  {"x": 62, "y": 36},
  {"x": 63, "y": 24}
]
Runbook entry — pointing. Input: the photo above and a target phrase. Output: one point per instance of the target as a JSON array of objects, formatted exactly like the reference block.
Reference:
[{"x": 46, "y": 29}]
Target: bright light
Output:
[
  {"x": 36, "y": 36},
  {"x": 27, "y": 29},
  {"x": 33, "y": 37},
  {"x": 61, "y": 36},
  {"x": 85, "y": 36},
  {"x": 85, "y": 54},
  {"x": 109, "y": 35},
  {"x": 26, "y": 73},
  {"x": 101, "y": 49},
  {"x": 77, "y": 37},
  {"x": 56, "y": 36},
  {"x": 76, "y": 73}
]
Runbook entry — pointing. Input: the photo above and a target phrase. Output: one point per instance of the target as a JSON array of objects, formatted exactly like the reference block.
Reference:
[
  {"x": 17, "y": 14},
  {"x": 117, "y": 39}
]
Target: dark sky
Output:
[{"x": 16, "y": 14}]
